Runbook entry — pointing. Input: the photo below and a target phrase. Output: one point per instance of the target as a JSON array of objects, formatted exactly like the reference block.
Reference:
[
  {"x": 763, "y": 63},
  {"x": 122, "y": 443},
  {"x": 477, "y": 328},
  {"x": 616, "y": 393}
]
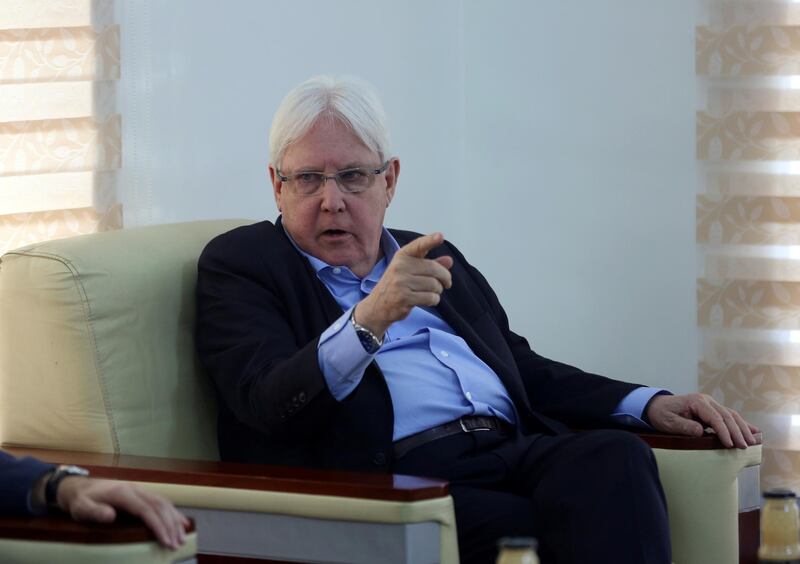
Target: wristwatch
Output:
[
  {"x": 61, "y": 472},
  {"x": 368, "y": 339}
]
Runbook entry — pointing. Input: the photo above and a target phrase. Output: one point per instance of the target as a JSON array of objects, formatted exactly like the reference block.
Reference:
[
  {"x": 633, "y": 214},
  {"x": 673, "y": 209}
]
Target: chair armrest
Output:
[
  {"x": 700, "y": 480},
  {"x": 682, "y": 442},
  {"x": 262, "y": 477},
  {"x": 263, "y": 489},
  {"x": 57, "y": 538},
  {"x": 59, "y": 527}
]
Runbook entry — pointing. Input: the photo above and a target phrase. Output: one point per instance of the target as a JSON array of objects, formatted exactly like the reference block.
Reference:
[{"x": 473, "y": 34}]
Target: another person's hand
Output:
[
  {"x": 690, "y": 414},
  {"x": 90, "y": 499},
  {"x": 410, "y": 280}
]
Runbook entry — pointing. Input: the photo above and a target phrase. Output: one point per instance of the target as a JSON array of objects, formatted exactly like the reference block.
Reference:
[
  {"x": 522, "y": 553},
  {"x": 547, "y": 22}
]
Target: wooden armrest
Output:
[
  {"x": 387, "y": 487},
  {"x": 667, "y": 441},
  {"x": 681, "y": 442},
  {"x": 60, "y": 528}
]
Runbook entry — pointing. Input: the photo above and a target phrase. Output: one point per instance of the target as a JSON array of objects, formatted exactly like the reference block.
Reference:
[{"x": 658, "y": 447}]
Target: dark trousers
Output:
[{"x": 589, "y": 498}]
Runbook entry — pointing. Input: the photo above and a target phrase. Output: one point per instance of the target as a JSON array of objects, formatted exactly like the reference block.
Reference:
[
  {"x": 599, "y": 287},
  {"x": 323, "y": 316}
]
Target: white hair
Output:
[{"x": 349, "y": 100}]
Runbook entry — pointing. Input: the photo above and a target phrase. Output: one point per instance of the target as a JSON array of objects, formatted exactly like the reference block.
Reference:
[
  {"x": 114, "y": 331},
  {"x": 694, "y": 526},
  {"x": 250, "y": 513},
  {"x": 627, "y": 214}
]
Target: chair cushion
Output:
[{"x": 96, "y": 343}]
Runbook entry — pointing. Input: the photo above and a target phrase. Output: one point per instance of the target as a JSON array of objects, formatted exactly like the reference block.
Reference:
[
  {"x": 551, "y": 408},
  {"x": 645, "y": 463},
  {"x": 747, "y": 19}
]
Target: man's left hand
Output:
[{"x": 690, "y": 414}]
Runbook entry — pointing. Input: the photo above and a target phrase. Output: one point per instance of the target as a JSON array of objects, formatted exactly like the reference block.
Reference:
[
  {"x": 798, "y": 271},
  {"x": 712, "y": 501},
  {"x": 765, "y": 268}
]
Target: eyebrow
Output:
[
  {"x": 354, "y": 165},
  {"x": 349, "y": 166}
]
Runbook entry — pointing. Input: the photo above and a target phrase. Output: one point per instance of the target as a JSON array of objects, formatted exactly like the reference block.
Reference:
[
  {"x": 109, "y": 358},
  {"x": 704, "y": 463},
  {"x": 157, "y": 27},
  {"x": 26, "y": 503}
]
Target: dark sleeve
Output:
[
  {"x": 554, "y": 389},
  {"x": 18, "y": 476},
  {"x": 248, "y": 338}
]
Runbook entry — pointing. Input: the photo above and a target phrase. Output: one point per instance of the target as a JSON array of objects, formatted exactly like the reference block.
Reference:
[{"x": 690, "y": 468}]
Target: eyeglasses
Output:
[{"x": 349, "y": 181}]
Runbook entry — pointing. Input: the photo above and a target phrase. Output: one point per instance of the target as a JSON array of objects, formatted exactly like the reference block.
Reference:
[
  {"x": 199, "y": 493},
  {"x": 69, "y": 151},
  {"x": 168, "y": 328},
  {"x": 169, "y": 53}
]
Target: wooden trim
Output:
[
  {"x": 679, "y": 442},
  {"x": 60, "y": 528},
  {"x": 655, "y": 439},
  {"x": 218, "y": 559},
  {"x": 260, "y": 477},
  {"x": 749, "y": 536}
]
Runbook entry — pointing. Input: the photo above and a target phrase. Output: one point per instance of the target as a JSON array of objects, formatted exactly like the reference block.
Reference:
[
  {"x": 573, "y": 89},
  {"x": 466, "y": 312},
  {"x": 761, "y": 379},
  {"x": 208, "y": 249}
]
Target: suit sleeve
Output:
[
  {"x": 554, "y": 389},
  {"x": 247, "y": 340},
  {"x": 18, "y": 476}
]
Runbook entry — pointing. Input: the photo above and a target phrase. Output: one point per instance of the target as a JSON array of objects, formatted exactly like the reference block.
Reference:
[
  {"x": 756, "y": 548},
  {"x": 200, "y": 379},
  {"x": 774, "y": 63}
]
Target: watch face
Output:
[{"x": 367, "y": 341}]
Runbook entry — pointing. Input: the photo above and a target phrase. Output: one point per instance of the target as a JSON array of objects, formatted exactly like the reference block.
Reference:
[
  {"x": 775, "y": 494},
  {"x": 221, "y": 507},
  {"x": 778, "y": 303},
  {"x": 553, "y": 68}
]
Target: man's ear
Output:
[
  {"x": 392, "y": 173},
  {"x": 277, "y": 185}
]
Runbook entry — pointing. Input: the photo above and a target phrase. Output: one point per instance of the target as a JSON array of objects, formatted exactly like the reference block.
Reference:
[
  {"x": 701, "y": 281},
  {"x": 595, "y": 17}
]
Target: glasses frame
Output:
[{"x": 336, "y": 177}]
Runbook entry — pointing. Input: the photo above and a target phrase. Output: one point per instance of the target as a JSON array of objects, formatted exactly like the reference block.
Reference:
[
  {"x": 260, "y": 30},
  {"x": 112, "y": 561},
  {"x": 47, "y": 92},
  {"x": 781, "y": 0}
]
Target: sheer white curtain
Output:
[
  {"x": 748, "y": 219},
  {"x": 59, "y": 132}
]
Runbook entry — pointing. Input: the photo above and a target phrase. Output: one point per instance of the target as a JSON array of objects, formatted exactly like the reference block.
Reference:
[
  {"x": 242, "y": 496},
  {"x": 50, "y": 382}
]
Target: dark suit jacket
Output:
[
  {"x": 260, "y": 312},
  {"x": 17, "y": 478}
]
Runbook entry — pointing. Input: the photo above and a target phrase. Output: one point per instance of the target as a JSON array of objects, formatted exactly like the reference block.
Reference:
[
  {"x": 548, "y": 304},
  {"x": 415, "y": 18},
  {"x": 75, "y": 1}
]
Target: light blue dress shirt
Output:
[{"x": 432, "y": 374}]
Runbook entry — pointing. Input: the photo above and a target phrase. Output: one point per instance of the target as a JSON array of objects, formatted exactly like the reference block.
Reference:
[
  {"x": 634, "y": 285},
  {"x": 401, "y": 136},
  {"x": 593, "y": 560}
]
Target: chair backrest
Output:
[{"x": 96, "y": 343}]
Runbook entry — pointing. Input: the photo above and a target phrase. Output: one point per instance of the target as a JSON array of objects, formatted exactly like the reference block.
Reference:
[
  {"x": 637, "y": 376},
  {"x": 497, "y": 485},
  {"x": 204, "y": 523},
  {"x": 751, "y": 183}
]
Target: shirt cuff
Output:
[
  {"x": 630, "y": 411},
  {"x": 34, "y": 506},
  {"x": 342, "y": 357}
]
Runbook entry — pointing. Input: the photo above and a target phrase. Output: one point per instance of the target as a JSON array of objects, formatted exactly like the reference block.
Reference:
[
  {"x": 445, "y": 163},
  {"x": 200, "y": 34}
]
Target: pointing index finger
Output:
[{"x": 421, "y": 246}]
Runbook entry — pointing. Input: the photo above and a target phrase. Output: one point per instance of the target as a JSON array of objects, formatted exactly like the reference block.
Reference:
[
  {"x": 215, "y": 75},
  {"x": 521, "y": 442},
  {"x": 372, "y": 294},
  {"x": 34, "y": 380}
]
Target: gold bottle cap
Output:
[{"x": 517, "y": 543}]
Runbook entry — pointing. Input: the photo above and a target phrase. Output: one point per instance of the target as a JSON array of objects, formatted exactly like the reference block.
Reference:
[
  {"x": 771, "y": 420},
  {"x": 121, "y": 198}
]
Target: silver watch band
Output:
[{"x": 368, "y": 339}]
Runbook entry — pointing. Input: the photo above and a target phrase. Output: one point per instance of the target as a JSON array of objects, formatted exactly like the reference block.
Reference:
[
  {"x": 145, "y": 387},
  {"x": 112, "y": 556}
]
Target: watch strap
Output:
[
  {"x": 61, "y": 472},
  {"x": 366, "y": 337}
]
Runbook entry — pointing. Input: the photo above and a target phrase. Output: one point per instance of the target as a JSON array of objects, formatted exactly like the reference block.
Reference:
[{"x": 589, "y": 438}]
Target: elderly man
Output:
[{"x": 335, "y": 342}]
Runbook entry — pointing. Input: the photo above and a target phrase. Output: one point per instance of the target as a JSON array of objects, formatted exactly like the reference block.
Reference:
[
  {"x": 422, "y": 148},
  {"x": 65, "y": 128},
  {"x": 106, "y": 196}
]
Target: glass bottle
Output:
[
  {"x": 780, "y": 528},
  {"x": 517, "y": 550}
]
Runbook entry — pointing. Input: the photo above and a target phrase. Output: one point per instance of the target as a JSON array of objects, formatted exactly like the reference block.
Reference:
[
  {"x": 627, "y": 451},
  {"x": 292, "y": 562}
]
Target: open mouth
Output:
[{"x": 334, "y": 233}]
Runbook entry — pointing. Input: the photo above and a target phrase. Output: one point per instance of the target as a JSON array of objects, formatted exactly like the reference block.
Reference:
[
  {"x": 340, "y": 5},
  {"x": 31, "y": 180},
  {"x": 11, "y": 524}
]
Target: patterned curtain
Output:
[
  {"x": 59, "y": 133},
  {"x": 748, "y": 219}
]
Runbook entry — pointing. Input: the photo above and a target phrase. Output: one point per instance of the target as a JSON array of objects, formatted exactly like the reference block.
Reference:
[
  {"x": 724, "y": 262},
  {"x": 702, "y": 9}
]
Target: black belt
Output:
[{"x": 469, "y": 424}]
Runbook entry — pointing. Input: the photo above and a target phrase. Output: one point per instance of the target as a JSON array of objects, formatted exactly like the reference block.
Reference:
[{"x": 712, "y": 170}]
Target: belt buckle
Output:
[{"x": 464, "y": 427}]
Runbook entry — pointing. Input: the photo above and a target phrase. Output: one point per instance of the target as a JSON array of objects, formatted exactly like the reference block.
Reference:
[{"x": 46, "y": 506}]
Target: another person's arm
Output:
[
  {"x": 18, "y": 480},
  {"x": 23, "y": 482},
  {"x": 91, "y": 499}
]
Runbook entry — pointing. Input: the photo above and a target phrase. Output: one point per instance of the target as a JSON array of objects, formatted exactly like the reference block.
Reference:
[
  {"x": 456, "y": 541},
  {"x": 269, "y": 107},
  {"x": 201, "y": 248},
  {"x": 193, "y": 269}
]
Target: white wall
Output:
[
  {"x": 214, "y": 72},
  {"x": 586, "y": 110},
  {"x": 552, "y": 141}
]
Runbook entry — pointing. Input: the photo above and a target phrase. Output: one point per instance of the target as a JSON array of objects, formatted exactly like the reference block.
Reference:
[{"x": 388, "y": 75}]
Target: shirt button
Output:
[
  {"x": 445, "y": 354},
  {"x": 337, "y": 326},
  {"x": 469, "y": 396},
  {"x": 379, "y": 459},
  {"x": 337, "y": 270}
]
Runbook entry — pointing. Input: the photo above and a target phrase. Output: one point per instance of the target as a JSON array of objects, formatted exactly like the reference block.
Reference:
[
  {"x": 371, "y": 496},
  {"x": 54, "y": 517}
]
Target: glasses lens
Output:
[
  {"x": 307, "y": 182},
  {"x": 355, "y": 179}
]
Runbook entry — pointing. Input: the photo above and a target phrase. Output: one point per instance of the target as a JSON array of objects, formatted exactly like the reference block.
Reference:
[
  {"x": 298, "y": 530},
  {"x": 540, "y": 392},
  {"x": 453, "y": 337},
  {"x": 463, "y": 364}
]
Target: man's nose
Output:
[{"x": 332, "y": 197}]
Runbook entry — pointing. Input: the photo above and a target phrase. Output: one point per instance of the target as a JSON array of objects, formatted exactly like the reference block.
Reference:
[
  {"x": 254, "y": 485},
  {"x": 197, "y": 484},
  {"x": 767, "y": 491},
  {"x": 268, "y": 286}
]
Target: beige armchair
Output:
[
  {"x": 97, "y": 367},
  {"x": 57, "y": 538}
]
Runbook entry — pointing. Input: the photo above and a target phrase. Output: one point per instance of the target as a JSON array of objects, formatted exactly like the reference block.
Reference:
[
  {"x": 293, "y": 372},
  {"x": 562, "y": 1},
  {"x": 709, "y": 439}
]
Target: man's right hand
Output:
[{"x": 410, "y": 280}]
